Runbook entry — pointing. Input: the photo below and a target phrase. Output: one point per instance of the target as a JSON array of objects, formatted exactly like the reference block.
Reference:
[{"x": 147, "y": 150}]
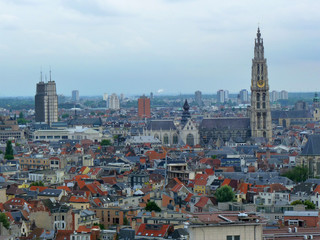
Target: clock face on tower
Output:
[{"x": 261, "y": 83}]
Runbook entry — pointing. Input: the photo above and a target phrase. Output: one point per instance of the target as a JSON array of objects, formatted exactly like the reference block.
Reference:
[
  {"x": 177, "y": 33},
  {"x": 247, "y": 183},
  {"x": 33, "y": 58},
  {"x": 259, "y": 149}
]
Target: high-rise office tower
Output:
[
  {"x": 144, "y": 107},
  {"x": 198, "y": 97},
  {"x": 260, "y": 105},
  {"x": 113, "y": 102},
  {"x": 75, "y": 96},
  {"x": 46, "y": 102}
]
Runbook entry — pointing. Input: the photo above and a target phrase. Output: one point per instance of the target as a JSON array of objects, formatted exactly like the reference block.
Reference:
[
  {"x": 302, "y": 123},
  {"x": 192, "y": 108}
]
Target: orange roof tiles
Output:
[
  {"x": 67, "y": 189},
  {"x": 202, "y": 202},
  {"x": 226, "y": 181},
  {"x": 77, "y": 199},
  {"x": 244, "y": 187},
  {"x": 38, "y": 188},
  {"x": 144, "y": 230}
]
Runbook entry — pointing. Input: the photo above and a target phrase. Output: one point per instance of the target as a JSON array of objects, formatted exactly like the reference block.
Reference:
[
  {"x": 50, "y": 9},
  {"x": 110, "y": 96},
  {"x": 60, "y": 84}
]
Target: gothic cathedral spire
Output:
[{"x": 260, "y": 118}]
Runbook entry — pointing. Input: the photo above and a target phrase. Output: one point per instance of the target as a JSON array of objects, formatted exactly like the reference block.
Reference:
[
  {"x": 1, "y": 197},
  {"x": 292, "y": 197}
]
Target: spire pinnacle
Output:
[{"x": 258, "y": 33}]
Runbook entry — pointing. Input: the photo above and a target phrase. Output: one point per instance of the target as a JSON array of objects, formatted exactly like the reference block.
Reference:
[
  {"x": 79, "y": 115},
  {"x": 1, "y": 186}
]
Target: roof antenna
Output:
[
  {"x": 41, "y": 80},
  {"x": 50, "y": 73}
]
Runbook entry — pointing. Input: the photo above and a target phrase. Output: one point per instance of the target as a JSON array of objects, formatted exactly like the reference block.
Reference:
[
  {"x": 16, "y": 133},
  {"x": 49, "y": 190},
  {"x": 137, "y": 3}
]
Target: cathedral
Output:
[
  {"x": 169, "y": 133},
  {"x": 238, "y": 130}
]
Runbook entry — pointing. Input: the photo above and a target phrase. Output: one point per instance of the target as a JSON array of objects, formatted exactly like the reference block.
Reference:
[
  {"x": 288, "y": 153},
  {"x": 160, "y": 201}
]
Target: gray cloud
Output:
[{"x": 144, "y": 45}]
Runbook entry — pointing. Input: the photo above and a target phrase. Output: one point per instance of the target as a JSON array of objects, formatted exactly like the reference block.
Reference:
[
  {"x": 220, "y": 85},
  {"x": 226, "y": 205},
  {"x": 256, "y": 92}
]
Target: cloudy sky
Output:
[{"x": 141, "y": 46}]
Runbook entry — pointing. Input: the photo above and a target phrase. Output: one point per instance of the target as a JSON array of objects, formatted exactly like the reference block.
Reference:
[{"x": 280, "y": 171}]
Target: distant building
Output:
[
  {"x": 151, "y": 95},
  {"x": 121, "y": 97},
  {"x": 170, "y": 134},
  {"x": 220, "y": 96},
  {"x": 274, "y": 96},
  {"x": 105, "y": 98},
  {"x": 113, "y": 102},
  {"x": 144, "y": 107},
  {"x": 284, "y": 95},
  {"x": 244, "y": 96},
  {"x": 198, "y": 97},
  {"x": 226, "y": 95},
  {"x": 9, "y": 129},
  {"x": 310, "y": 156},
  {"x": 300, "y": 105},
  {"x": 75, "y": 96},
  {"x": 46, "y": 102}
]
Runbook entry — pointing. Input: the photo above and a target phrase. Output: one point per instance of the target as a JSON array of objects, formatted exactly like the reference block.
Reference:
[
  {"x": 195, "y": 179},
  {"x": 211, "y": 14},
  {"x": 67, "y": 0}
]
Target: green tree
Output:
[
  {"x": 309, "y": 204},
  {"x": 21, "y": 120},
  {"x": 4, "y": 220},
  {"x": 38, "y": 183},
  {"x": 297, "y": 202},
  {"x": 152, "y": 206},
  {"x": 65, "y": 115},
  {"x": 125, "y": 221},
  {"x": 297, "y": 174},
  {"x": 9, "y": 151},
  {"x": 224, "y": 194},
  {"x": 101, "y": 226},
  {"x": 105, "y": 142}
]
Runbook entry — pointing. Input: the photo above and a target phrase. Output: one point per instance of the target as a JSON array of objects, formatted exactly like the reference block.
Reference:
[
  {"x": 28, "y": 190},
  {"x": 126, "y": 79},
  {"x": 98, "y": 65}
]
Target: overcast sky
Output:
[{"x": 143, "y": 46}]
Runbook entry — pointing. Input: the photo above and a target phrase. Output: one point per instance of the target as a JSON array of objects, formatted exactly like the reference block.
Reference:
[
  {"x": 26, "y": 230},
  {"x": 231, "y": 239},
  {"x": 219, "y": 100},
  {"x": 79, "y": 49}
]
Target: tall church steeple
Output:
[
  {"x": 186, "y": 114},
  {"x": 260, "y": 118}
]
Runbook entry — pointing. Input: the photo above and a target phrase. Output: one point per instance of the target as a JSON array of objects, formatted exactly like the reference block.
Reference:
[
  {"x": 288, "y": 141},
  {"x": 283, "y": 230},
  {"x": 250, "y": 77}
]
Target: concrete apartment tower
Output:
[
  {"x": 46, "y": 102},
  {"x": 114, "y": 102},
  {"x": 75, "y": 96},
  {"x": 198, "y": 98},
  {"x": 260, "y": 119}
]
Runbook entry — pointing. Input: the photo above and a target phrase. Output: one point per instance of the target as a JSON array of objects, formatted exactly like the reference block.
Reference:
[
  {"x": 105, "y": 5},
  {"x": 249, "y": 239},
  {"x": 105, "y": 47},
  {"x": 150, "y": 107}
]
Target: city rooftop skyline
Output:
[{"x": 164, "y": 46}]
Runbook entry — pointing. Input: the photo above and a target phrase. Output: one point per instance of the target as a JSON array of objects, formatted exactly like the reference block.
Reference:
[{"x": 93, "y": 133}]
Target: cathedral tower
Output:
[{"x": 260, "y": 119}]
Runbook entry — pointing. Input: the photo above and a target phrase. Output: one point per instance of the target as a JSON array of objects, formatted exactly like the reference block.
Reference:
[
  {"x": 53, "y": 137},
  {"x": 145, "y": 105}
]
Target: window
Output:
[
  {"x": 166, "y": 139},
  {"x": 236, "y": 237}
]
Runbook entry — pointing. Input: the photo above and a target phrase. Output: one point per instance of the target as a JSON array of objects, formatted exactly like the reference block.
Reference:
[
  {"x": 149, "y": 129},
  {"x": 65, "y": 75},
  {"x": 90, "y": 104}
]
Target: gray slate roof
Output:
[
  {"x": 225, "y": 123},
  {"x": 157, "y": 125},
  {"x": 291, "y": 114},
  {"x": 312, "y": 147},
  {"x": 85, "y": 121}
]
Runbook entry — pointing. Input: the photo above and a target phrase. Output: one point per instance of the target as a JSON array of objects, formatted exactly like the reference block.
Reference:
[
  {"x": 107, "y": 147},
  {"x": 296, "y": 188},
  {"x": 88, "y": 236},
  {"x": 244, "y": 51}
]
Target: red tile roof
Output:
[
  {"x": 202, "y": 202},
  {"x": 244, "y": 187},
  {"x": 226, "y": 182},
  {"x": 152, "y": 230},
  {"x": 40, "y": 188},
  {"x": 77, "y": 199},
  {"x": 67, "y": 189},
  {"x": 188, "y": 198},
  {"x": 317, "y": 189}
]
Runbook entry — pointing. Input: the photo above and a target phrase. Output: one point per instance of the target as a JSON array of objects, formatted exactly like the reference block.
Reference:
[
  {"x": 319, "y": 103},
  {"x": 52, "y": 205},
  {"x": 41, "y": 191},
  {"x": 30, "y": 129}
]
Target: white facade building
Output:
[{"x": 113, "y": 102}]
